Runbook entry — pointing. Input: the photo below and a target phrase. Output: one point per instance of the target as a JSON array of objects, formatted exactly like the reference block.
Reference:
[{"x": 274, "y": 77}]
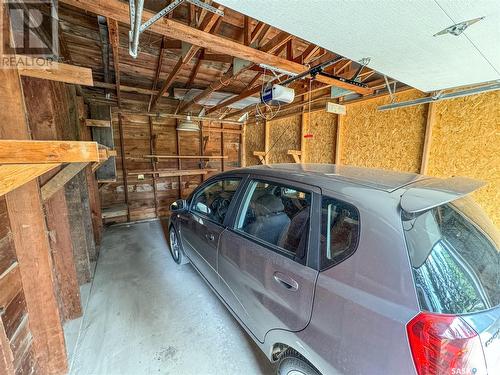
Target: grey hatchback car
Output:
[{"x": 344, "y": 270}]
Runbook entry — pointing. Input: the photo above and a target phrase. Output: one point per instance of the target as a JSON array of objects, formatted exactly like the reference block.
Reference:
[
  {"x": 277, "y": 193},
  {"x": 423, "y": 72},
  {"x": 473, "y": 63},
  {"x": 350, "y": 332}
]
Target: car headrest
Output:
[{"x": 268, "y": 204}]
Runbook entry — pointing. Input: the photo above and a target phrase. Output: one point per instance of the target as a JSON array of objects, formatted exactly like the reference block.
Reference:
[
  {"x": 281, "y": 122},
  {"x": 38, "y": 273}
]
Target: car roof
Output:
[{"x": 322, "y": 175}]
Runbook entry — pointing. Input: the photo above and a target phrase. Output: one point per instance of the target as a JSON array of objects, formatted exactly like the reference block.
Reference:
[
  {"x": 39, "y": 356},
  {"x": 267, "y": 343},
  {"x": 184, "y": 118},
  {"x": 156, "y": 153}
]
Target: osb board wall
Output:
[
  {"x": 389, "y": 139},
  {"x": 255, "y": 138},
  {"x": 466, "y": 142},
  {"x": 284, "y": 135},
  {"x": 136, "y": 134},
  {"x": 320, "y": 147}
]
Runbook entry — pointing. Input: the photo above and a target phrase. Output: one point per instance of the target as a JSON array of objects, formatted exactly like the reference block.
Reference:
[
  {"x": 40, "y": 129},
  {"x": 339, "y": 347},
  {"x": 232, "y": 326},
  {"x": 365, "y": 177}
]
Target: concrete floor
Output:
[{"x": 144, "y": 314}]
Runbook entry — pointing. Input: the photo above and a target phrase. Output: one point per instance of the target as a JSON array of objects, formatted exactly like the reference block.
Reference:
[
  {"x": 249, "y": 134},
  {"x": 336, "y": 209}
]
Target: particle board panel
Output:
[
  {"x": 321, "y": 147},
  {"x": 388, "y": 140},
  {"x": 466, "y": 142},
  {"x": 254, "y": 142},
  {"x": 284, "y": 135}
]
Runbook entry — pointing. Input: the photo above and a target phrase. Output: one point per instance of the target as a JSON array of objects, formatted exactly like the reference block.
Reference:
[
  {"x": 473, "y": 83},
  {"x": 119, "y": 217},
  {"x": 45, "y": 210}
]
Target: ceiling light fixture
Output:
[{"x": 188, "y": 125}]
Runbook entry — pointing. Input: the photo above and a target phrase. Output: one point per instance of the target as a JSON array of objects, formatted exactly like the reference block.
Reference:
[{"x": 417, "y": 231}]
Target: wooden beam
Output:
[
  {"x": 175, "y": 172},
  {"x": 192, "y": 51},
  {"x": 338, "y": 139},
  {"x": 56, "y": 71},
  {"x": 60, "y": 179},
  {"x": 274, "y": 44},
  {"x": 186, "y": 156},
  {"x": 98, "y": 123},
  {"x": 159, "y": 65},
  {"x": 37, "y": 152},
  {"x": 304, "y": 129},
  {"x": 28, "y": 227},
  {"x": 14, "y": 175},
  {"x": 176, "y": 30},
  {"x": 124, "y": 165},
  {"x": 114, "y": 39},
  {"x": 6, "y": 356},
  {"x": 267, "y": 140},
  {"x": 152, "y": 148},
  {"x": 246, "y": 31},
  {"x": 133, "y": 90},
  {"x": 431, "y": 119}
]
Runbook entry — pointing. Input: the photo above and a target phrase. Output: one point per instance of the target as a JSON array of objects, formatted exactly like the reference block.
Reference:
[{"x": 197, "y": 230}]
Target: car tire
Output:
[
  {"x": 292, "y": 363},
  {"x": 176, "y": 247}
]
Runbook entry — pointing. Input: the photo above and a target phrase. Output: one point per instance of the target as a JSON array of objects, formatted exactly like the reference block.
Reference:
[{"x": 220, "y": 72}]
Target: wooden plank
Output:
[
  {"x": 267, "y": 140},
  {"x": 152, "y": 147},
  {"x": 124, "y": 88},
  {"x": 174, "y": 172},
  {"x": 6, "y": 356},
  {"x": 27, "y": 221},
  {"x": 243, "y": 147},
  {"x": 338, "y": 139},
  {"x": 187, "y": 156},
  {"x": 104, "y": 136},
  {"x": 115, "y": 211},
  {"x": 98, "y": 123},
  {"x": 56, "y": 71},
  {"x": 13, "y": 176},
  {"x": 10, "y": 285},
  {"x": 124, "y": 166},
  {"x": 60, "y": 179},
  {"x": 114, "y": 39},
  {"x": 38, "y": 152},
  {"x": 176, "y": 30},
  {"x": 48, "y": 107},
  {"x": 431, "y": 118}
]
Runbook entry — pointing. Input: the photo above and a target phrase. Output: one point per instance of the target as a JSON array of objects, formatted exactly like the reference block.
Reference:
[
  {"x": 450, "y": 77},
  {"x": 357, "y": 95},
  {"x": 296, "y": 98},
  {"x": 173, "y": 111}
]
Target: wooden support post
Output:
[
  {"x": 152, "y": 150},
  {"x": 222, "y": 148},
  {"x": 94, "y": 198},
  {"x": 267, "y": 140},
  {"x": 45, "y": 124},
  {"x": 431, "y": 117},
  {"x": 114, "y": 39},
  {"x": 338, "y": 139},
  {"x": 124, "y": 165},
  {"x": 304, "y": 129},
  {"x": 24, "y": 207},
  {"x": 178, "y": 152},
  {"x": 243, "y": 146},
  {"x": 202, "y": 150}
]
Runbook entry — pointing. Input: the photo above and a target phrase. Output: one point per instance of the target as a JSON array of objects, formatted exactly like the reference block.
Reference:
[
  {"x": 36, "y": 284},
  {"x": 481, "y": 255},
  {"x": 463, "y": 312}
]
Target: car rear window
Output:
[{"x": 455, "y": 258}]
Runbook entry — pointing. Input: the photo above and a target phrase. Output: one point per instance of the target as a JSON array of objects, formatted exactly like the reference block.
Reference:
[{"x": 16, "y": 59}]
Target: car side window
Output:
[
  {"x": 278, "y": 215},
  {"x": 213, "y": 200},
  {"x": 339, "y": 231}
]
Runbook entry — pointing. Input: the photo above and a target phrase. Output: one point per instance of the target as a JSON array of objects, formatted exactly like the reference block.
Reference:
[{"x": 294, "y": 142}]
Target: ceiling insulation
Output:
[{"x": 397, "y": 36}]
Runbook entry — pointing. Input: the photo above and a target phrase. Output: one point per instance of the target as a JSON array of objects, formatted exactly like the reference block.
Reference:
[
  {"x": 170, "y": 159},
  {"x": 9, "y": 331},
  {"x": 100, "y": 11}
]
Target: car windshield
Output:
[{"x": 454, "y": 253}]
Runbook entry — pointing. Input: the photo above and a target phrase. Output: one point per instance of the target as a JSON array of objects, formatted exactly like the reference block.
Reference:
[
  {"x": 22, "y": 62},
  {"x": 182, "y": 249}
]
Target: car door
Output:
[
  {"x": 204, "y": 222},
  {"x": 266, "y": 277}
]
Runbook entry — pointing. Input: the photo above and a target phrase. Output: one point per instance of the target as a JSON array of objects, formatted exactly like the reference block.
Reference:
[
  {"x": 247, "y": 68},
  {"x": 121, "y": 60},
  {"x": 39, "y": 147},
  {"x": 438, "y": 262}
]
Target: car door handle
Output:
[
  {"x": 286, "y": 281},
  {"x": 210, "y": 236}
]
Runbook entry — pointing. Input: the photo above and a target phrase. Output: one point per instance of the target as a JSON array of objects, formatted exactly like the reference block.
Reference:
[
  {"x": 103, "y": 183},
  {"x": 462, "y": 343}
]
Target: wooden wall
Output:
[
  {"x": 465, "y": 140},
  {"x": 143, "y": 134}
]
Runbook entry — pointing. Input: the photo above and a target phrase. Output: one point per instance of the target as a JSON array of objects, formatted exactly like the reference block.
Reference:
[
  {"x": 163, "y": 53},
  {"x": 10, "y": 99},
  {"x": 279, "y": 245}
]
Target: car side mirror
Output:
[{"x": 179, "y": 205}]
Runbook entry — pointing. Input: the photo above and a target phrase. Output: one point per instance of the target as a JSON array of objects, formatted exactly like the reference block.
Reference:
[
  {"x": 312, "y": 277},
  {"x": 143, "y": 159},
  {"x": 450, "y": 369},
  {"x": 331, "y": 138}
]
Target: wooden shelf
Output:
[
  {"x": 174, "y": 172},
  {"x": 185, "y": 156}
]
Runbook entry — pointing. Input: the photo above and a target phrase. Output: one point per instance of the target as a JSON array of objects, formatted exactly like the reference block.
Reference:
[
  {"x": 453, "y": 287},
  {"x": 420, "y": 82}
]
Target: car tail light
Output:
[{"x": 445, "y": 344}]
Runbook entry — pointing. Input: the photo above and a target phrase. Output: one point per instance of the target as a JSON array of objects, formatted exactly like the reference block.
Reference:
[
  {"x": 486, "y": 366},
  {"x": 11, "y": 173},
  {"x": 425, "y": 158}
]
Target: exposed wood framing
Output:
[
  {"x": 55, "y": 71},
  {"x": 186, "y": 156},
  {"x": 124, "y": 164},
  {"x": 57, "y": 182},
  {"x": 24, "y": 206},
  {"x": 261, "y": 155},
  {"x": 152, "y": 149},
  {"x": 176, "y": 30},
  {"x": 13, "y": 176},
  {"x": 174, "y": 172},
  {"x": 98, "y": 123},
  {"x": 159, "y": 65},
  {"x": 114, "y": 39},
  {"x": 243, "y": 147},
  {"x": 431, "y": 118},
  {"x": 123, "y": 88},
  {"x": 267, "y": 140},
  {"x": 33, "y": 152}
]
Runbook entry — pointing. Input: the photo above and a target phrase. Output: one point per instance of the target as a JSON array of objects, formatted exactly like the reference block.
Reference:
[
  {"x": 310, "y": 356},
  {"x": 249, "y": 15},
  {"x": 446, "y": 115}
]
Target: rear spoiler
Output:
[{"x": 429, "y": 193}]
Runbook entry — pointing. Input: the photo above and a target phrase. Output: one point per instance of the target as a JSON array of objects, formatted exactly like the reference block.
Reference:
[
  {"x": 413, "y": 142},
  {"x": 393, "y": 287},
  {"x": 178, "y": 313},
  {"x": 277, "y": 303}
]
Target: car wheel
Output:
[
  {"x": 175, "y": 247},
  {"x": 292, "y": 363}
]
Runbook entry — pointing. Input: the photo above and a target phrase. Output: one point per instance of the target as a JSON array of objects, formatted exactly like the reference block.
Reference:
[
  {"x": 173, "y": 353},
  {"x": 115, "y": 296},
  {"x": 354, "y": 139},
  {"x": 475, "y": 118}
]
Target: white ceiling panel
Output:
[{"x": 396, "y": 35}]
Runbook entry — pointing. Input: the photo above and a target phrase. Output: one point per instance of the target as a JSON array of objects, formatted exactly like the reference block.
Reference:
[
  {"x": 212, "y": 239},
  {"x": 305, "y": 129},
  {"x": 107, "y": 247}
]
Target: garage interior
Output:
[{"x": 95, "y": 147}]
